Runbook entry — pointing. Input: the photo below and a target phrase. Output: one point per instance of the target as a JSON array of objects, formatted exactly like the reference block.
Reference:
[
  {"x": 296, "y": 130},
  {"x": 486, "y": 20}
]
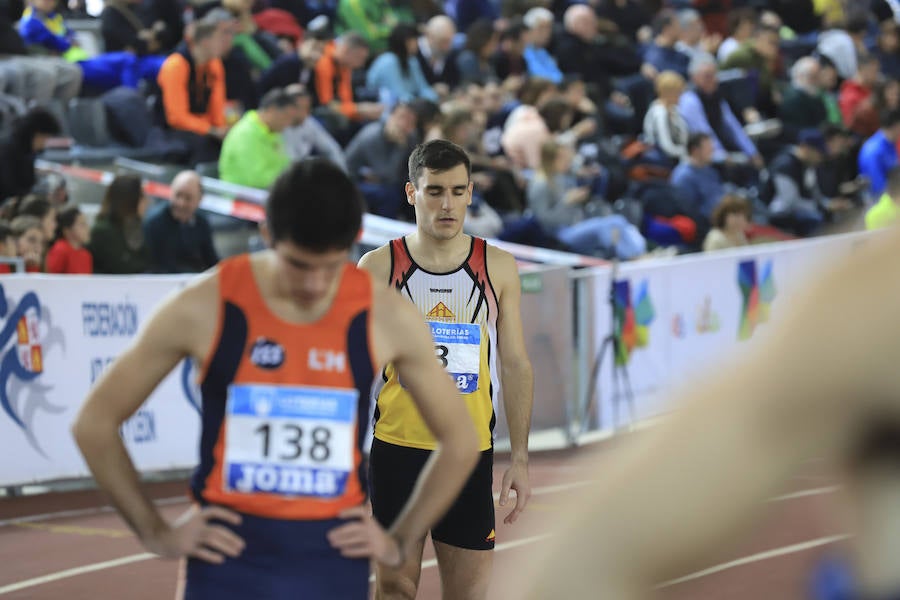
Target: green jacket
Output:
[
  {"x": 373, "y": 19},
  {"x": 111, "y": 251},
  {"x": 746, "y": 57},
  {"x": 254, "y": 52},
  {"x": 252, "y": 155},
  {"x": 834, "y": 110}
]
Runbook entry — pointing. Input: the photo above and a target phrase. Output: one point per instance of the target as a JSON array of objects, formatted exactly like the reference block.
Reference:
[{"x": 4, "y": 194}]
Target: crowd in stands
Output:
[
  {"x": 126, "y": 237},
  {"x": 604, "y": 127}
]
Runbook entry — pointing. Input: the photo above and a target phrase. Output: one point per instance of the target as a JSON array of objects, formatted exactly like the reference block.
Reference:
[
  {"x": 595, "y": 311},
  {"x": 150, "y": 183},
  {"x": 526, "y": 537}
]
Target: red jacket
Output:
[
  {"x": 63, "y": 258},
  {"x": 850, "y": 100}
]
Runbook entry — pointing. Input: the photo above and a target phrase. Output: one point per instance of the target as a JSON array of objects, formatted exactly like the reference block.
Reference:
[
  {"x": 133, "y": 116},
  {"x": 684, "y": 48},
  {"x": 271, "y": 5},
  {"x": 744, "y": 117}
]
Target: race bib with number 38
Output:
[
  {"x": 293, "y": 441},
  {"x": 458, "y": 348}
]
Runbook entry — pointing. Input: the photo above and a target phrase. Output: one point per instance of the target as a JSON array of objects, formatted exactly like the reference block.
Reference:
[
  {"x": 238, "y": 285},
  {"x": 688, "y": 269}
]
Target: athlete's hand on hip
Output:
[
  {"x": 515, "y": 478},
  {"x": 363, "y": 537},
  {"x": 193, "y": 535}
]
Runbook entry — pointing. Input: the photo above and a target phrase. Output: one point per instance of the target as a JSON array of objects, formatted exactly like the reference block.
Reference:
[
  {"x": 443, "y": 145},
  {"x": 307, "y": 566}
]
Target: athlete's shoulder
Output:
[
  {"x": 501, "y": 265},
  {"x": 199, "y": 298},
  {"x": 377, "y": 262},
  {"x": 186, "y": 319},
  {"x": 393, "y": 317},
  {"x": 497, "y": 254}
]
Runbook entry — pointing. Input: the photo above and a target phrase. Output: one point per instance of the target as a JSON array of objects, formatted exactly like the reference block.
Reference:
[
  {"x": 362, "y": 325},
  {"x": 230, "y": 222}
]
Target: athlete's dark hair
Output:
[
  {"x": 437, "y": 155},
  {"x": 315, "y": 205}
]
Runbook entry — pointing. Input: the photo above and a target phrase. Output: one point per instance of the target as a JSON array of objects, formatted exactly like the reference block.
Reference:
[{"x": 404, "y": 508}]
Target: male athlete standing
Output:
[
  {"x": 289, "y": 341},
  {"x": 470, "y": 295}
]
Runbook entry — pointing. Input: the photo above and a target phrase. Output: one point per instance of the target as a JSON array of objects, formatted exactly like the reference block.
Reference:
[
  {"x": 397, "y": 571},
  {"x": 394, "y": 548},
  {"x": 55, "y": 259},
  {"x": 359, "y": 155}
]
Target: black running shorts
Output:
[{"x": 469, "y": 523}]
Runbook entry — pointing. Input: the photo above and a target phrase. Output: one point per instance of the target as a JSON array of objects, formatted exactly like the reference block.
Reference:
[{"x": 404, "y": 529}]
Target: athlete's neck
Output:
[
  {"x": 282, "y": 301},
  {"x": 438, "y": 255}
]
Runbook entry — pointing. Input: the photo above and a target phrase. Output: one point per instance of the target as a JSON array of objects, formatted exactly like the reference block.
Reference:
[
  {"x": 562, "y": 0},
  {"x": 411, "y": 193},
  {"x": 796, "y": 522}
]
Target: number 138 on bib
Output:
[{"x": 294, "y": 441}]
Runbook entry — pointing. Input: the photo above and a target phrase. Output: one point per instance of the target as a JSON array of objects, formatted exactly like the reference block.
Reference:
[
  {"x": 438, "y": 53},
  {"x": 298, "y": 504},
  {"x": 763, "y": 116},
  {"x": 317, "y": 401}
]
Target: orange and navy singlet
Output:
[{"x": 285, "y": 410}]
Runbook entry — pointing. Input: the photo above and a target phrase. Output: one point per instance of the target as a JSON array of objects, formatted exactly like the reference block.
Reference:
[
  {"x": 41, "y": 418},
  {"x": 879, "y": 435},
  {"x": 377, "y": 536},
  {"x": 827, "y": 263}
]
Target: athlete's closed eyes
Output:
[{"x": 437, "y": 190}]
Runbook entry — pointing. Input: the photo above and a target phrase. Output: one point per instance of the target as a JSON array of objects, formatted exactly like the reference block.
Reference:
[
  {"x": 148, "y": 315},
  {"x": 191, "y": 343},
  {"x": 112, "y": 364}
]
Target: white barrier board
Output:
[
  {"x": 681, "y": 317},
  {"x": 57, "y": 334}
]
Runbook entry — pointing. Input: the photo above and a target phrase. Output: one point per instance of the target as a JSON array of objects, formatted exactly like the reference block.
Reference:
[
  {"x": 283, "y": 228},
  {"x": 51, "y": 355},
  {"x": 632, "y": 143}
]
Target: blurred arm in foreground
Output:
[{"x": 671, "y": 498}]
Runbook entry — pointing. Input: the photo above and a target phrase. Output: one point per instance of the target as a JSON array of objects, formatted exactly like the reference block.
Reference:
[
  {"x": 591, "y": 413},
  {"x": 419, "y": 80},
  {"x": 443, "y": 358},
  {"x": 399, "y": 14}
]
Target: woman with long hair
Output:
[
  {"x": 474, "y": 62},
  {"x": 396, "y": 74},
  {"x": 561, "y": 206},
  {"x": 117, "y": 238}
]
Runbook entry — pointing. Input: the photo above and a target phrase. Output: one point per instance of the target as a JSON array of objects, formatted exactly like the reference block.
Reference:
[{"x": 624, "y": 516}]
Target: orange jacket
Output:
[
  {"x": 192, "y": 106},
  {"x": 333, "y": 80}
]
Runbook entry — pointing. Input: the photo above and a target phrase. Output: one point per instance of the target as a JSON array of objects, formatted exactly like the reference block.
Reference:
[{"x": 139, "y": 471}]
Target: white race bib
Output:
[
  {"x": 458, "y": 348},
  {"x": 293, "y": 441}
]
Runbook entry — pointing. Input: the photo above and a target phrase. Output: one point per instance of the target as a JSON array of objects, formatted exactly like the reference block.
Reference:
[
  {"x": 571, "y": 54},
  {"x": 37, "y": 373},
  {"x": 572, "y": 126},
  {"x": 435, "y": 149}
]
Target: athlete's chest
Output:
[{"x": 453, "y": 297}]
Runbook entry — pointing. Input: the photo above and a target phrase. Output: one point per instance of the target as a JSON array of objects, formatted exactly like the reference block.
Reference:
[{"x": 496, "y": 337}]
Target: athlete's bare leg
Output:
[
  {"x": 465, "y": 574},
  {"x": 400, "y": 583}
]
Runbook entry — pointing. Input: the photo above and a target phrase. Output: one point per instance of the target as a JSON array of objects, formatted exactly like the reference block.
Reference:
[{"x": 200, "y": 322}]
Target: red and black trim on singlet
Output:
[{"x": 403, "y": 266}]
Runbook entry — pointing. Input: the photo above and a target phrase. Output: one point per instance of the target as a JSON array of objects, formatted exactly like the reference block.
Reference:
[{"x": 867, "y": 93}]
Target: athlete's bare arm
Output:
[
  {"x": 182, "y": 327},
  {"x": 402, "y": 338},
  {"x": 516, "y": 376},
  {"x": 378, "y": 263},
  {"x": 674, "y": 496}
]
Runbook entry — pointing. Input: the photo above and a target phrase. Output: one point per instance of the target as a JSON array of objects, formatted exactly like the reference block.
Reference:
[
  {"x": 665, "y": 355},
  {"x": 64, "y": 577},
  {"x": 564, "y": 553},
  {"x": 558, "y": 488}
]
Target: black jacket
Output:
[
  {"x": 10, "y": 40},
  {"x": 449, "y": 76},
  {"x": 17, "y": 175},
  {"x": 284, "y": 71}
]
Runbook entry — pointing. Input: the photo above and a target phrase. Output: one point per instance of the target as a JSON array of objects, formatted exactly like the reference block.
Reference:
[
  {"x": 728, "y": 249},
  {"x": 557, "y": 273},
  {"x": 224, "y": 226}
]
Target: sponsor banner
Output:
[
  {"x": 57, "y": 335},
  {"x": 675, "y": 320}
]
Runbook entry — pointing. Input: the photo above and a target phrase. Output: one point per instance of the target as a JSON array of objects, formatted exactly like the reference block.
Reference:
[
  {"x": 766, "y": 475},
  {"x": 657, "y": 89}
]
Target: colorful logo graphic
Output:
[
  {"x": 440, "y": 311},
  {"x": 679, "y": 330},
  {"x": 758, "y": 292},
  {"x": 26, "y": 335},
  {"x": 267, "y": 354},
  {"x": 633, "y": 316},
  {"x": 707, "y": 318}
]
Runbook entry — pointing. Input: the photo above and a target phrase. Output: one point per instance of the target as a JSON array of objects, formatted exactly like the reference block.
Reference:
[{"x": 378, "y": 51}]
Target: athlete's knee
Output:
[
  {"x": 471, "y": 590},
  {"x": 396, "y": 586}
]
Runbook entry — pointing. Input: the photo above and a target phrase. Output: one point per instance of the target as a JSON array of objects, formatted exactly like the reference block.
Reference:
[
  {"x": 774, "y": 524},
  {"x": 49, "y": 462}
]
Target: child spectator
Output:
[
  {"x": 68, "y": 254},
  {"x": 29, "y": 235},
  {"x": 41, "y": 208},
  {"x": 730, "y": 219},
  {"x": 7, "y": 247},
  {"x": 664, "y": 127}
]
